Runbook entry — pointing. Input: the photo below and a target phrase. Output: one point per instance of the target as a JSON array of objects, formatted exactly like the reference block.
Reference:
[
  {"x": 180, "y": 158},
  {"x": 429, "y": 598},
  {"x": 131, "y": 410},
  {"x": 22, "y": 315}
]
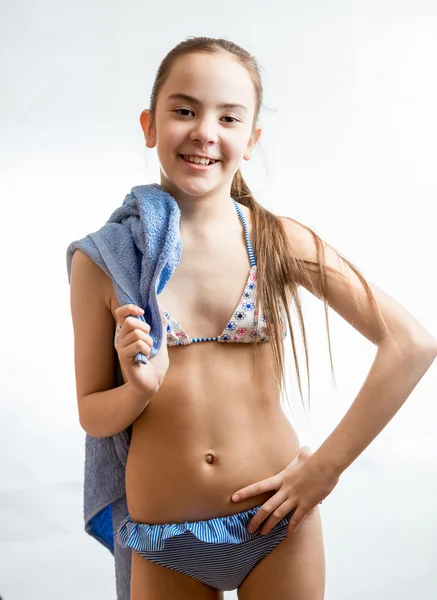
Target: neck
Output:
[{"x": 203, "y": 213}]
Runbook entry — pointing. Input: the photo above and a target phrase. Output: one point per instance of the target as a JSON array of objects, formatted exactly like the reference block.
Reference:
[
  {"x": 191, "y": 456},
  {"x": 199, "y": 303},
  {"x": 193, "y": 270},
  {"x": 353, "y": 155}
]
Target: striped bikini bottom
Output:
[{"x": 219, "y": 552}]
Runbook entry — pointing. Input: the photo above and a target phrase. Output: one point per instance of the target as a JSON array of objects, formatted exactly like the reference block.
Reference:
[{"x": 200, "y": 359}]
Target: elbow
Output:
[
  {"x": 98, "y": 428},
  {"x": 433, "y": 344},
  {"x": 413, "y": 341},
  {"x": 421, "y": 346},
  {"x": 411, "y": 349},
  {"x": 428, "y": 352},
  {"x": 426, "y": 344},
  {"x": 91, "y": 428},
  {"x": 431, "y": 348}
]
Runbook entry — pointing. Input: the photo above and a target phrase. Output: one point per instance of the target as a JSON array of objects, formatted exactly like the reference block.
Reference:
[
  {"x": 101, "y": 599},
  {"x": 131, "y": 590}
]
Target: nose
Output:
[{"x": 204, "y": 131}]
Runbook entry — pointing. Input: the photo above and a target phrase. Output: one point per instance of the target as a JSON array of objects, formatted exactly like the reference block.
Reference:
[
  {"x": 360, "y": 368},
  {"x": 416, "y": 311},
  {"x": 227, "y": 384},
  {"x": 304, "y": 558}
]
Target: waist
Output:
[{"x": 188, "y": 456}]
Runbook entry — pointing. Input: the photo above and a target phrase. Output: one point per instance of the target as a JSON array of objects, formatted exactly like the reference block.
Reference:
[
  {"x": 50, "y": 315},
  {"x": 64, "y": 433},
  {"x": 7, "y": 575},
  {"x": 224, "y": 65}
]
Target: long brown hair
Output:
[{"x": 278, "y": 269}]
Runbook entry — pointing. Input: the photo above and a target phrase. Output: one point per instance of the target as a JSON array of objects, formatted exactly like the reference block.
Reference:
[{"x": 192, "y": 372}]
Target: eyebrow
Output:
[{"x": 196, "y": 101}]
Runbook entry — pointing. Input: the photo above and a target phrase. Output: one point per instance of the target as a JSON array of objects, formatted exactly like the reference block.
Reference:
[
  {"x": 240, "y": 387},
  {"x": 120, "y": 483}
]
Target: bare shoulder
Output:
[
  {"x": 344, "y": 287},
  {"x": 309, "y": 248},
  {"x": 82, "y": 264},
  {"x": 93, "y": 325},
  {"x": 88, "y": 273}
]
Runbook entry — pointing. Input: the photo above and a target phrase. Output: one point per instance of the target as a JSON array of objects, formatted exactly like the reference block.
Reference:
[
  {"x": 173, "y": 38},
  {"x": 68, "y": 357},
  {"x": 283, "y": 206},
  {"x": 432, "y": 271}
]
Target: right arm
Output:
[{"x": 104, "y": 409}]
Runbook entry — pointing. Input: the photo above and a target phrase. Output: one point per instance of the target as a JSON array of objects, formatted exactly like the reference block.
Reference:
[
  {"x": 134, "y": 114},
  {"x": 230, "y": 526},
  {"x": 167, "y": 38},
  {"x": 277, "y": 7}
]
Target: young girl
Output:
[{"x": 220, "y": 494}]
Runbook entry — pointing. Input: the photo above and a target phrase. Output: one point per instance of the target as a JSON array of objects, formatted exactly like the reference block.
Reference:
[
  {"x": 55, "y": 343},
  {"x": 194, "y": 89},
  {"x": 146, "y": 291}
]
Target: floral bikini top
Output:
[{"x": 241, "y": 326}]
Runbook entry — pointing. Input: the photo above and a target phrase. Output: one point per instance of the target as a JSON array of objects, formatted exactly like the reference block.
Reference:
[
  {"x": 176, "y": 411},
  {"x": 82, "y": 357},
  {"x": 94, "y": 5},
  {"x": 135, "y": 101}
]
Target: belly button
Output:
[{"x": 210, "y": 458}]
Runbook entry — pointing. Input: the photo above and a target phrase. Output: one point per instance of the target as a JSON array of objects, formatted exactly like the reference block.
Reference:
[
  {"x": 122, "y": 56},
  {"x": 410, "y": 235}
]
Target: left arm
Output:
[
  {"x": 403, "y": 355},
  {"x": 391, "y": 379},
  {"x": 405, "y": 351}
]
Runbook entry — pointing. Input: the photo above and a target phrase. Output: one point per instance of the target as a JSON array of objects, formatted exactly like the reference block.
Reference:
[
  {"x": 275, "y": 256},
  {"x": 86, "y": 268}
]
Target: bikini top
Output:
[{"x": 241, "y": 326}]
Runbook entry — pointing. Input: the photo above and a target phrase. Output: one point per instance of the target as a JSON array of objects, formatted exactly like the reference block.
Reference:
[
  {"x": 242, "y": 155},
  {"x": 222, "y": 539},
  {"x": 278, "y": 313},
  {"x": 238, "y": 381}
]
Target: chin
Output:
[{"x": 189, "y": 188}]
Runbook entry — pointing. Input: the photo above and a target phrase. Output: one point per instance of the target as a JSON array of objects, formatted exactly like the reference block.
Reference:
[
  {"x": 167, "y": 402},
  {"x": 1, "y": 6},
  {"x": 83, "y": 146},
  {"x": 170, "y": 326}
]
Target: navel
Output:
[{"x": 210, "y": 458}]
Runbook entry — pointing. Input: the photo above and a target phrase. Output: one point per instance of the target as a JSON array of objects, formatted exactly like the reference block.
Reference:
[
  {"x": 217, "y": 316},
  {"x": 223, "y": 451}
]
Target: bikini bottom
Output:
[{"x": 220, "y": 552}]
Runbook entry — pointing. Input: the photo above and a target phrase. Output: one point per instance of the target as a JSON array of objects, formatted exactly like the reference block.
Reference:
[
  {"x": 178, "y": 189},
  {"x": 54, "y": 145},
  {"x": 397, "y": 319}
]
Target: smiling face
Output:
[{"x": 205, "y": 108}]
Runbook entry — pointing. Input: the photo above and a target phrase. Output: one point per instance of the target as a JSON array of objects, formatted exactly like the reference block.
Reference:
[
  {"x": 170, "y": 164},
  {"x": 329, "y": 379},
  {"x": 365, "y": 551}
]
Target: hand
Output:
[
  {"x": 133, "y": 337},
  {"x": 300, "y": 486}
]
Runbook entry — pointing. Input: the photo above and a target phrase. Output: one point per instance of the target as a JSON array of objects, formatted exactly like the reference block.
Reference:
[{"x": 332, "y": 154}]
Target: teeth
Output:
[{"x": 198, "y": 160}]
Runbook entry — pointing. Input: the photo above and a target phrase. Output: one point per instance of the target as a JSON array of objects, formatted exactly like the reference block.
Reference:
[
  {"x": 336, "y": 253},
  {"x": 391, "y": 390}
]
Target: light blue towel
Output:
[{"x": 138, "y": 248}]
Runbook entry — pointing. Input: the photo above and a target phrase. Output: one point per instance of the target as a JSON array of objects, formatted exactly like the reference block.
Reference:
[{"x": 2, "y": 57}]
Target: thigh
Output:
[
  {"x": 122, "y": 556},
  {"x": 294, "y": 570},
  {"x": 150, "y": 581}
]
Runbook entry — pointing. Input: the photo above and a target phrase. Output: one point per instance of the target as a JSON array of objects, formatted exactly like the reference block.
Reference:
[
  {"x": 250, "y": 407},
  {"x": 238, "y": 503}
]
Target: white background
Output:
[{"x": 349, "y": 148}]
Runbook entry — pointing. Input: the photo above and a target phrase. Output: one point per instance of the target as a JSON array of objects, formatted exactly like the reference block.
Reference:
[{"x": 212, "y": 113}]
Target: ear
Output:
[
  {"x": 254, "y": 138},
  {"x": 148, "y": 128}
]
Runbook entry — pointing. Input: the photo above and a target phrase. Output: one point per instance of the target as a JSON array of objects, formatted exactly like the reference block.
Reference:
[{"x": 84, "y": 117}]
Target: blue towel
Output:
[{"x": 138, "y": 248}]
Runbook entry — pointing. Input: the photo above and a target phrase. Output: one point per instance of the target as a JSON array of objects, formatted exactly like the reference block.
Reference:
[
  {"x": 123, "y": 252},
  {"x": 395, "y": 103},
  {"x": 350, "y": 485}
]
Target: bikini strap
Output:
[{"x": 246, "y": 234}]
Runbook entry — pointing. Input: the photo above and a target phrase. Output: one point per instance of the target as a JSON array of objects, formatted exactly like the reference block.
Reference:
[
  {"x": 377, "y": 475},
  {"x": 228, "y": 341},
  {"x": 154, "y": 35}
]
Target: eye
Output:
[
  {"x": 234, "y": 120},
  {"x": 179, "y": 110}
]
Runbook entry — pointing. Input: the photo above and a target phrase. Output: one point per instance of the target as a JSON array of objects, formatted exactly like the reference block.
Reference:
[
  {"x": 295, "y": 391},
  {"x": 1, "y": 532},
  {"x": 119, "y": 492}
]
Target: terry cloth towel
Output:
[{"x": 138, "y": 248}]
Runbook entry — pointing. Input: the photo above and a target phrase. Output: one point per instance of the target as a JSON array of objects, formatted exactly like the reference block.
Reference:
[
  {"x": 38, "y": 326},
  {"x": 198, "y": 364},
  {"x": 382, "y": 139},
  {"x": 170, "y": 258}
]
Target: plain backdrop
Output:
[{"x": 348, "y": 148}]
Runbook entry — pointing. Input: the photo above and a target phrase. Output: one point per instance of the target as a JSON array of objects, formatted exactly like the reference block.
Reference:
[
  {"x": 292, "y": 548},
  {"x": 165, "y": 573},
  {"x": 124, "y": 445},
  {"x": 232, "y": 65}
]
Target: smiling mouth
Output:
[{"x": 203, "y": 163}]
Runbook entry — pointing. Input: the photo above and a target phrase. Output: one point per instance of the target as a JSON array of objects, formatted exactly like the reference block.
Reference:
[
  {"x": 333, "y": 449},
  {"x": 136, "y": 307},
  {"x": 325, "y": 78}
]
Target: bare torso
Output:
[{"x": 209, "y": 430}]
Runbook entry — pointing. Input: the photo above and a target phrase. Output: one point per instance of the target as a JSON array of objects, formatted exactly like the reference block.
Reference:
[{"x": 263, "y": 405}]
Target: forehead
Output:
[{"x": 213, "y": 78}]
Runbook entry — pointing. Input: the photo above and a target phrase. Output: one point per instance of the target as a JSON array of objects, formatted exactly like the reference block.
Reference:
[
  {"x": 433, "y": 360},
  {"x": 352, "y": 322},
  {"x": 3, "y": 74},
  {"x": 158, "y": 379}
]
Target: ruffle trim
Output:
[{"x": 231, "y": 529}]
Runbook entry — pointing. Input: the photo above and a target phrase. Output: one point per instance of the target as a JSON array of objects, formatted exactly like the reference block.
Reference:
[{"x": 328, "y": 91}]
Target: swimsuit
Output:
[
  {"x": 220, "y": 552},
  {"x": 241, "y": 327}
]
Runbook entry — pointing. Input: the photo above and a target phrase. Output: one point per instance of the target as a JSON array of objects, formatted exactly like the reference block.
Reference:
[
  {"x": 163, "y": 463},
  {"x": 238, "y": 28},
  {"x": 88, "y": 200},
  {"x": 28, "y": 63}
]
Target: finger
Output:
[
  {"x": 130, "y": 351},
  {"x": 131, "y": 323},
  {"x": 127, "y": 309},
  {"x": 296, "y": 520},
  {"x": 134, "y": 336},
  {"x": 276, "y": 516},
  {"x": 267, "y": 485},
  {"x": 264, "y": 512}
]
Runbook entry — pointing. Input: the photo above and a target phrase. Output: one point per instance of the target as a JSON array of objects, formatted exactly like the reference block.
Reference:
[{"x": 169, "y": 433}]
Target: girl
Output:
[{"x": 220, "y": 494}]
